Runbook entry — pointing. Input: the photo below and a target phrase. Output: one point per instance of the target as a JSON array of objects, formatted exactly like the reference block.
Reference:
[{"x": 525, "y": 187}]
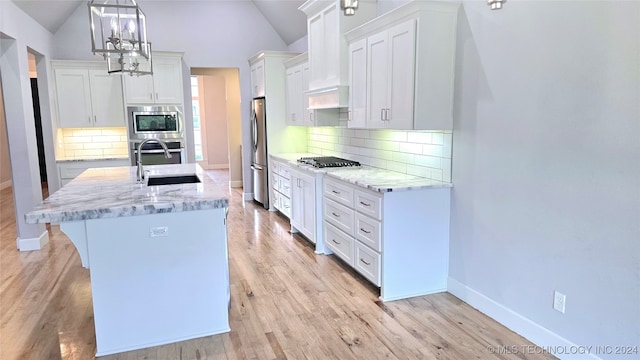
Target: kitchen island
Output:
[{"x": 157, "y": 255}]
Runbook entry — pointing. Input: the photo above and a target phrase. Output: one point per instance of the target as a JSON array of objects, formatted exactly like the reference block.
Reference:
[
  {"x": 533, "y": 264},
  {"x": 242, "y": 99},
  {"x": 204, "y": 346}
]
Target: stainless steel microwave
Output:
[{"x": 156, "y": 121}]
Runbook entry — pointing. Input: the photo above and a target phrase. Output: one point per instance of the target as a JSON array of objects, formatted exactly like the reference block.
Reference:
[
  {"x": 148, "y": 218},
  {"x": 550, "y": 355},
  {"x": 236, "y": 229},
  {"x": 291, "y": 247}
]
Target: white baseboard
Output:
[
  {"x": 543, "y": 338},
  {"x": 30, "y": 244},
  {"x": 247, "y": 196},
  {"x": 235, "y": 184},
  {"x": 5, "y": 184}
]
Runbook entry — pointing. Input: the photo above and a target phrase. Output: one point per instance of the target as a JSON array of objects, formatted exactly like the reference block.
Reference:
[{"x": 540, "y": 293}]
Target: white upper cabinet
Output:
[
  {"x": 390, "y": 75},
  {"x": 257, "y": 79},
  {"x": 295, "y": 88},
  {"x": 106, "y": 99},
  {"x": 298, "y": 112},
  {"x": 328, "y": 50},
  {"x": 357, "y": 116},
  {"x": 324, "y": 68},
  {"x": 163, "y": 87},
  {"x": 87, "y": 96},
  {"x": 408, "y": 56}
]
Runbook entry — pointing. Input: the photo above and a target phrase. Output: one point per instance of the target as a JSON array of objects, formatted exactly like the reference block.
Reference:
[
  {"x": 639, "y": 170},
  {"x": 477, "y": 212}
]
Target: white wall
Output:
[
  {"x": 546, "y": 168},
  {"x": 300, "y": 46},
  {"x": 18, "y": 35},
  {"x": 210, "y": 33}
]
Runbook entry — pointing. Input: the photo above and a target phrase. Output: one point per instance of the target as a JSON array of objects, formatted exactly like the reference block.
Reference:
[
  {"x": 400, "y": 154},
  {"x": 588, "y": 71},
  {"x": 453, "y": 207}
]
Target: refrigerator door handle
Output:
[
  {"x": 254, "y": 132},
  {"x": 256, "y": 167}
]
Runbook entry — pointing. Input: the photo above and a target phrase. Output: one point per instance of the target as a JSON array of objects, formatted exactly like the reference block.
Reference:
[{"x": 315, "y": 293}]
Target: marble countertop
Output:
[
  {"x": 113, "y": 192},
  {"x": 368, "y": 177},
  {"x": 85, "y": 160}
]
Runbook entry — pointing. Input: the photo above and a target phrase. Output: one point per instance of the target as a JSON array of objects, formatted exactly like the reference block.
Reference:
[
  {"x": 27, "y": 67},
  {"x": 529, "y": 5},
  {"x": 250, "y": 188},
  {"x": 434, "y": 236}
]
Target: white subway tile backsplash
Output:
[
  {"x": 419, "y": 137},
  {"x": 429, "y": 161},
  {"x": 433, "y": 150},
  {"x": 420, "y": 153},
  {"x": 413, "y": 148},
  {"x": 403, "y": 157},
  {"x": 437, "y": 138},
  {"x": 396, "y": 166},
  {"x": 418, "y": 171},
  {"x": 92, "y": 143}
]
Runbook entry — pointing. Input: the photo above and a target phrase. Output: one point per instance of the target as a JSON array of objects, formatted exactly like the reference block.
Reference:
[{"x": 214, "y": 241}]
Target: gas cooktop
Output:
[{"x": 327, "y": 161}]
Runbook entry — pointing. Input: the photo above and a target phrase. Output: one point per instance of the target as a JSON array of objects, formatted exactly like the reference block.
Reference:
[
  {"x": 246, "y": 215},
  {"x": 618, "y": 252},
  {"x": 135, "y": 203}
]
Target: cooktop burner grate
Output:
[{"x": 327, "y": 161}]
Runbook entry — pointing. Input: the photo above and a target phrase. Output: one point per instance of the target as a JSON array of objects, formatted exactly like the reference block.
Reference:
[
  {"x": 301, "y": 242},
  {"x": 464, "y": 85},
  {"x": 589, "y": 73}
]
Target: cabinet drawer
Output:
[
  {"x": 367, "y": 262},
  {"x": 369, "y": 204},
  {"x": 285, "y": 205},
  {"x": 338, "y": 192},
  {"x": 367, "y": 231},
  {"x": 276, "y": 182},
  {"x": 285, "y": 187},
  {"x": 276, "y": 200},
  {"x": 340, "y": 243},
  {"x": 285, "y": 171},
  {"x": 339, "y": 215},
  {"x": 274, "y": 165}
]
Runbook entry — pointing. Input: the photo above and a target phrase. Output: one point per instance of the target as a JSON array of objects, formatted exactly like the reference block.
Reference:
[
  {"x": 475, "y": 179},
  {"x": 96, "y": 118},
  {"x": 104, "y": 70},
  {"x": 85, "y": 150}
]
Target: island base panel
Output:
[{"x": 158, "y": 279}]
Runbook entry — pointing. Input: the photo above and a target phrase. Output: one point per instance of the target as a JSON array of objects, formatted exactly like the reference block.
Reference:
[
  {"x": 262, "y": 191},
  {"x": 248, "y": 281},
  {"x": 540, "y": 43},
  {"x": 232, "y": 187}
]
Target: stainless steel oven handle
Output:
[{"x": 159, "y": 151}]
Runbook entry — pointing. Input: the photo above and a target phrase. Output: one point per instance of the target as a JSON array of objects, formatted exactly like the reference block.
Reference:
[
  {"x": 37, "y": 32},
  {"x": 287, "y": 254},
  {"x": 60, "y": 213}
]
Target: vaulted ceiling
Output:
[{"x": 283, "y": 15}]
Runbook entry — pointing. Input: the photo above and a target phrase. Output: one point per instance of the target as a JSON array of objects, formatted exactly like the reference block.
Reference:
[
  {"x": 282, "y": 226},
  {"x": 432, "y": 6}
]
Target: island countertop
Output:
[{"x": 113, "y": 192}]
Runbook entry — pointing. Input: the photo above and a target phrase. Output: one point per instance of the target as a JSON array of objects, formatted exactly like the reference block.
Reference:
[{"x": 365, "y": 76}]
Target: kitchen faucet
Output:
[{"x": 140, "y": 171}]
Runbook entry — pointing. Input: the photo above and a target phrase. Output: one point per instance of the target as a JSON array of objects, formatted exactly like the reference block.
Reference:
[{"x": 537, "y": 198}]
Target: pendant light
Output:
[
  {"x": 349, "y": 6},
  {"x": 119, "y": 34},
  {"x": 496, "y": 4}
]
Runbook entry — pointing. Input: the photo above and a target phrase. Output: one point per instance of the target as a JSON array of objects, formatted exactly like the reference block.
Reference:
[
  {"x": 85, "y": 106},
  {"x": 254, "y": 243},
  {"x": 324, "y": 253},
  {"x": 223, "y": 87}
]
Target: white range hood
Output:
[{"x": 332, "y": 97}]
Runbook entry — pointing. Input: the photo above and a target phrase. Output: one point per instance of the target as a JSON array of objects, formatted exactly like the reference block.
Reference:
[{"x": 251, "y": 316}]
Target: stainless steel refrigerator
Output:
[{"x": 259, "y": 152}]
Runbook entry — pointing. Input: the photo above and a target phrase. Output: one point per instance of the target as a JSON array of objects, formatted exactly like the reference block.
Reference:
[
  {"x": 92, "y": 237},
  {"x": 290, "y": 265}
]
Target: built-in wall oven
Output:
[{"x": 162, "y": 122}]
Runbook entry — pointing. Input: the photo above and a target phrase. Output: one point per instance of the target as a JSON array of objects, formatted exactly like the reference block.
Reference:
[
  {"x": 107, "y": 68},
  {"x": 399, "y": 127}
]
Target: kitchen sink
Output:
[{"x": 172, "y": 180}]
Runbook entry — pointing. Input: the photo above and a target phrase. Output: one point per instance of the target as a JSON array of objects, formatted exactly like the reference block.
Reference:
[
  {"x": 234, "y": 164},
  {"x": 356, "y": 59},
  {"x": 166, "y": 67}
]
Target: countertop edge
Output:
[{"x": 35, "y": 217}]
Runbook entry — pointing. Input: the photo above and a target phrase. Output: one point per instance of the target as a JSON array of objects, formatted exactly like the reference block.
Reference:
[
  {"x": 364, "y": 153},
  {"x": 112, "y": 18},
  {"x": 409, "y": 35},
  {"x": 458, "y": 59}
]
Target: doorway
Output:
[
  {"x": 217, "y": 120},
  {"x": 35, "y": 99}
]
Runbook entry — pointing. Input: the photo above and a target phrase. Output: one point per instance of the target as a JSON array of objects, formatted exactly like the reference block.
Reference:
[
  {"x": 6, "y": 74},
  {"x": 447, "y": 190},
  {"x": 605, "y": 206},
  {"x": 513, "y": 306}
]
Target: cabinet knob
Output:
[
  {"x": 365, "y": 231},
  {"x": 364, "y": 262},
  {"x": 334, "y": 240},
  {"x": 336, "y": 215}
]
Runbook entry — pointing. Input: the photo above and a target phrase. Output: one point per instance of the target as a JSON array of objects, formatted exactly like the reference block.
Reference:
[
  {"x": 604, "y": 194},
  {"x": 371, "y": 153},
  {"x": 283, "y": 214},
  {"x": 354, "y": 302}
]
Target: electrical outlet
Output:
[
  {"x": 159, "y": 231},
  {"x": 559, "y": 300}
]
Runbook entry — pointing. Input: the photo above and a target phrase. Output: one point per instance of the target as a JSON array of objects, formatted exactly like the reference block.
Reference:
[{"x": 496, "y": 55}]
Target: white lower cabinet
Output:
[
  {"x": 281, "y": 175},
  {"x": 303, "y": 204},
  {"x": 398, "y": 241}
]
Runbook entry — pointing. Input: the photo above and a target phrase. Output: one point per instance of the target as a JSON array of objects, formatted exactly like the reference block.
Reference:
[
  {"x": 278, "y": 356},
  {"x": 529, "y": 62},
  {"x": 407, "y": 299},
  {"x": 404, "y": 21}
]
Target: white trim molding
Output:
[
  {"x": 534, "y": 332},
  {"x": 30, "y": 244}
]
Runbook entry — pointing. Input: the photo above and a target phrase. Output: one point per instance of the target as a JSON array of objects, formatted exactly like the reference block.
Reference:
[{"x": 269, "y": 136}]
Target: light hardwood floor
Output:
[{"x": 286, "y": 303}]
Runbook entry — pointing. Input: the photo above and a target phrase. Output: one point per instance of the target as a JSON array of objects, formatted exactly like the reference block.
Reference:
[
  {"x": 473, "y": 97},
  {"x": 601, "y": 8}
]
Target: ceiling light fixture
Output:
[
  {"x": 119, "y": 34},
  {"x": 349, "y": 6},
  {"x": 496, "y": 4}
]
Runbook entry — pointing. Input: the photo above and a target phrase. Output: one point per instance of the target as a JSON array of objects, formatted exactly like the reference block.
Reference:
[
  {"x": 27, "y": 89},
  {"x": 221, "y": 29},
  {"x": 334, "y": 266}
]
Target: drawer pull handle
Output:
[
  {"x": 364, "y": 203},
  {"x": 336, "y": 215},
  {"x": 365, "y": 231},
  {"x": 364, "y": 262},
  {"x": 335, "y": 192},
  {"x": 334, "y": 240}
]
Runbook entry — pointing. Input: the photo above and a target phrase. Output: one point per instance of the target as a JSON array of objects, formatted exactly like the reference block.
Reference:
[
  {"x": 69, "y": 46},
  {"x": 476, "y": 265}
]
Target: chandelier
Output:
[
  {"x": 496, "y": 4},
  {"x": 349, "y": 6},
  {"x": 119, "y": 34}
]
